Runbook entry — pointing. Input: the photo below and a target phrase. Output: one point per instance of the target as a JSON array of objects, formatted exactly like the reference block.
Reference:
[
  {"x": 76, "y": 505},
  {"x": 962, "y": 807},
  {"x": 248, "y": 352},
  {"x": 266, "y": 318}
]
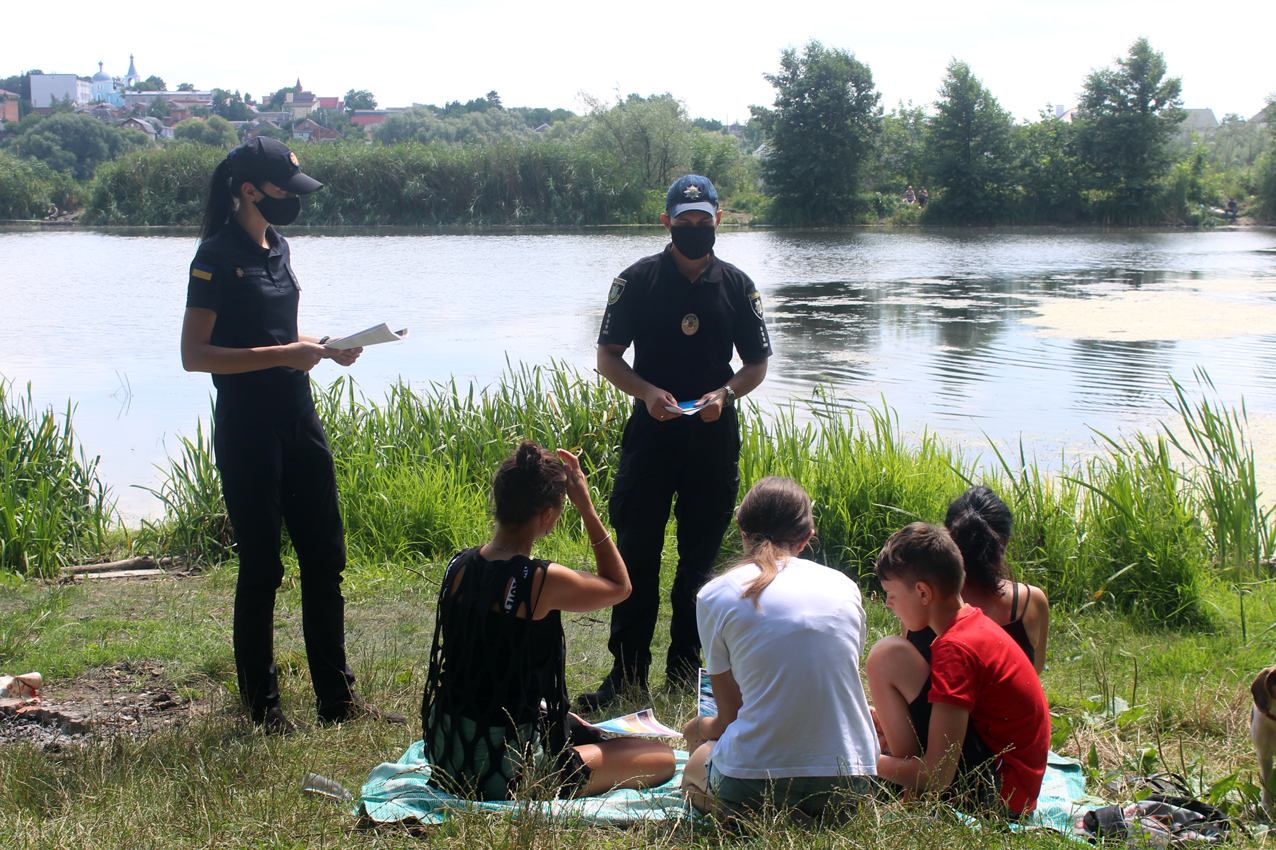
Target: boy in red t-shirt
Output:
[{"x": 989, "y": 716}]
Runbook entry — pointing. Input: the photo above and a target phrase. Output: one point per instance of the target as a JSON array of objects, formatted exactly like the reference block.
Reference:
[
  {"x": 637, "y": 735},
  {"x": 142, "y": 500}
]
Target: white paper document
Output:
[{"x": 372, "y": 336}]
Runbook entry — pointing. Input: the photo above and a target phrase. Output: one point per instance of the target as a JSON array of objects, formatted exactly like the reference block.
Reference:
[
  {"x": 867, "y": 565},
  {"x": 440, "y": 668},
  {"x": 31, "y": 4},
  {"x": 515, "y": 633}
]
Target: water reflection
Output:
[{"x": 934, "y": 321}]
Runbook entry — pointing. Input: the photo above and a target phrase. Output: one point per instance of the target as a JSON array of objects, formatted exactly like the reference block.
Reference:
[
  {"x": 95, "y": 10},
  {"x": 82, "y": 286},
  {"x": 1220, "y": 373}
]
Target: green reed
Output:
[
  {"x": 195, "y": 522},
  {"x": 1132, "y": 527},
  {"x": 54, "y": 509}
]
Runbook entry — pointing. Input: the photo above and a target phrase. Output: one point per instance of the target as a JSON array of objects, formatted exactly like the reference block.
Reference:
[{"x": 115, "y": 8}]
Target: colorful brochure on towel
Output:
[{"x": 640, "y": 724}]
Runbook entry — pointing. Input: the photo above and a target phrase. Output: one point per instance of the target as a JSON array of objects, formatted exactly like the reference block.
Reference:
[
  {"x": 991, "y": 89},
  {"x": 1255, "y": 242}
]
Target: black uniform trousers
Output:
[
  {"x": 698, "y": 462},
  {"x": 269, "y": 473}
]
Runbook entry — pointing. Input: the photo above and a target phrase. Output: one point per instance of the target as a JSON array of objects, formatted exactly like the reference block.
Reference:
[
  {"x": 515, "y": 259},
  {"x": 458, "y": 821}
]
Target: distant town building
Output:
[
  {"x": 134, "y": 99},
  {"x": 329, "y": 103},
  {"x": 1199, "y": 121},
  {"x": 367, "y": 118},
  {"x": 47, "y": 88},
  {"x": 135, "y": 123},
  {"x": 300, "y": 104},
  {"x": 132, "y": 78},
  {"x": 105, "y": 89},
  {"x": 307, "y": 130},
  {"x": 9, "y": 105}
]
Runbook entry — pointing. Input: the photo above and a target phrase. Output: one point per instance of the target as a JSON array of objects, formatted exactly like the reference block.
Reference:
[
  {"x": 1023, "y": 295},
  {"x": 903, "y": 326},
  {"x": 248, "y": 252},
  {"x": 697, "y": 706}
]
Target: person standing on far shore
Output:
[
  {"x": 683, "y": 310},
  {"x": 272, "y": 453}
]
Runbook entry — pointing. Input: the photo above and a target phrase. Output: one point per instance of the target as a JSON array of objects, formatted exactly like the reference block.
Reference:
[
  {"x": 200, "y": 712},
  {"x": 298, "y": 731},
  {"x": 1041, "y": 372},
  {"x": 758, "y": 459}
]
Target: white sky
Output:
[{"x": 711, "y": 55}]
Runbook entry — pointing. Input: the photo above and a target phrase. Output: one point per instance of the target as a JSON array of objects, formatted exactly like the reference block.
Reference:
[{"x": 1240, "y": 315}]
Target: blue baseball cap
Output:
[{"x": 692, "y": 192}]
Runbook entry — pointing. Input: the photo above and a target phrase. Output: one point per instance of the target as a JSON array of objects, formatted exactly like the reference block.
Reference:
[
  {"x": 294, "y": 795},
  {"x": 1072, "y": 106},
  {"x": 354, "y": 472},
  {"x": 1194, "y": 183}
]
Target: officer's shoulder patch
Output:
[
  {"x": 755, "y": 301},
  {"x": 203, "y": 271},
  {"x": 617, "y": 289}
]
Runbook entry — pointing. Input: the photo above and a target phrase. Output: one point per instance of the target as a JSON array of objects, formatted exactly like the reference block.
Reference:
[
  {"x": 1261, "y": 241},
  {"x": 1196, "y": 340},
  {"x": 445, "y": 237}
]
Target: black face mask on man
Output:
[
  {"x": 278, "y": 211},
  {"x": 693, "y": 241}
]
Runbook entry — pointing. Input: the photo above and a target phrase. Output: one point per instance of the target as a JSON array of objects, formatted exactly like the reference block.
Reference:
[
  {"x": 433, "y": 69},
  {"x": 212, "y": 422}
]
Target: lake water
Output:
[{"x": 1033, "y": 334}]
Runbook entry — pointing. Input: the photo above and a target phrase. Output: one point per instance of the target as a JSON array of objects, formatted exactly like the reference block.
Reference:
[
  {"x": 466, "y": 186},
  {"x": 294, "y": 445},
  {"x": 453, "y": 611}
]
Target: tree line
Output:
[
  {"x": 1121, "y": 157},
  {"x": 825, "y": 152}
]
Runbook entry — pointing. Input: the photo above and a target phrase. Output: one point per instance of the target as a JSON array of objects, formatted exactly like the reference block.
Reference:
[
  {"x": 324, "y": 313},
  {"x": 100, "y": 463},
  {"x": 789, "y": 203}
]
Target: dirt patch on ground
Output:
[{"x": 118, "y": 699}]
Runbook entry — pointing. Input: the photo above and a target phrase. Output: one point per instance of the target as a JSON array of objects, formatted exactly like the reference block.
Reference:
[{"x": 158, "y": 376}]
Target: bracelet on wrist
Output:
[{"x": 606, "y": 537}]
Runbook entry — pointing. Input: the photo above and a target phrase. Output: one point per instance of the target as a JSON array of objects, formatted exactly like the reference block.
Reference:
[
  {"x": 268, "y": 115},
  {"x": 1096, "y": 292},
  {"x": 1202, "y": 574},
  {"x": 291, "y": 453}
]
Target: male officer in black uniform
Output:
[{"x": 684, "y": 310}]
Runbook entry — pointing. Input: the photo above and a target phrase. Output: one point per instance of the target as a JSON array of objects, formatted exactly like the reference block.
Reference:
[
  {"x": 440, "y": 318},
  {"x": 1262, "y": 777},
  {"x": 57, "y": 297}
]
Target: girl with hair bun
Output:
[
  {"x": 494, "y": 714},
  {"x": 980, "y": 523},
  {"x": 782, "y": 637}
]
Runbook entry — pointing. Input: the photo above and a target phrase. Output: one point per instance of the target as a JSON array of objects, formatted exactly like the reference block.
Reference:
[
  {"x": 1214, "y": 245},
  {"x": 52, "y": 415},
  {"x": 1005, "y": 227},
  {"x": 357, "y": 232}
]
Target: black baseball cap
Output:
[
  {"x": 691, "y": 192},
  {"x": 264, "y": 159}
]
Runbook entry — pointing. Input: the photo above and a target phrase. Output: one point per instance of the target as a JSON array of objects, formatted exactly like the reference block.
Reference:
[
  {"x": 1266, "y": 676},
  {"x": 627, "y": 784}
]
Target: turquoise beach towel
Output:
[{"x": 397, "y": 791}]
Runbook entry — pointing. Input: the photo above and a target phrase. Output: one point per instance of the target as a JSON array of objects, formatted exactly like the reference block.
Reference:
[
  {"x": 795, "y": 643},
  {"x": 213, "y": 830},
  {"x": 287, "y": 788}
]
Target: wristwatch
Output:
[{"x": 730, "y": 399}]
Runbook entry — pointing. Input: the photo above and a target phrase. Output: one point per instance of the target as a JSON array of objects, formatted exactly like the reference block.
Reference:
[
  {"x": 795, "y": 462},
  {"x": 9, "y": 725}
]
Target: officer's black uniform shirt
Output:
[
  {"x": 254, "y": 293},
  {"x": 683, "y": 332}
]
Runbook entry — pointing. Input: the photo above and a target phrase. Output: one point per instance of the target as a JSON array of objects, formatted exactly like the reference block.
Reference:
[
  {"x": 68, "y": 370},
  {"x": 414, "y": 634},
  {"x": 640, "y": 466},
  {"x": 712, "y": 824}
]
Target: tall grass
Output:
[
  {"x": 1132, "y": 528},
  {"x": 534, "y": 182},
  {"x": 53, "y": 507},
  {"x": 195, "y": 521}
]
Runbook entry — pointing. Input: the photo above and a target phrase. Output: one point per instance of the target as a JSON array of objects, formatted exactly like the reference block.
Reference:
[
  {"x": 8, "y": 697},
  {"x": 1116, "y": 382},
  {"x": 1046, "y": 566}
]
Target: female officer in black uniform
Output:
[{"x": 241, "y": 325}]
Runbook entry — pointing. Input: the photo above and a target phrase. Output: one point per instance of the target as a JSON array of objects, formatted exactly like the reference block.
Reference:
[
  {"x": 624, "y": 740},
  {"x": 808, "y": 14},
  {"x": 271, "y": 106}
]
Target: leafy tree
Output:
[
  {"x": 420, "y": 124},
  {"x": 716, "y": 156},
  {"x": 1127, "y": 116},
  {"x": 151, "y": 83},
  {"x": 494, "y": 99},
  {"x": 185, "y": 87},
  {"x": 709, "y": 125},
  {"x": 536, "y": 116},
  {"x": 900, "y": 153},
  {"x": 276, "y": 101},
  {"x": 968, "y": 149},
  {"x": 214, "y": 132},
  {"x": 1265, "y": 168},
  {"x": 1050, "y": 172},
  {"x": 63, "y": 106},
  {"x": 646, "y": 136},
  {"x": 822, "y": 130},
  {"x": 75, "y": 144},
  {"x": 1236, "y": 143},
  {"x": 230, "y": 106},
  {"x": 361, "y": 99},
  {"x": 158, "y": 107}
]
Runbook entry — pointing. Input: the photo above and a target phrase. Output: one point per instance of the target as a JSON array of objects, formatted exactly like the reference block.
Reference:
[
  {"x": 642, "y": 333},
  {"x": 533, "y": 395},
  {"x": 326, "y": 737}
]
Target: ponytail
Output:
[
  {"x": 980, "y": 525},
  {"x": 774, "y": 517},
  {"x": 220, "y": 203}
]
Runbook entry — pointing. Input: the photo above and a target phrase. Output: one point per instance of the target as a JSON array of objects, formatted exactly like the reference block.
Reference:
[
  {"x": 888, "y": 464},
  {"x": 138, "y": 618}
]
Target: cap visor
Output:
[
  {"x": 300, "y": 183},
  {"x": 703, "y": 206}
]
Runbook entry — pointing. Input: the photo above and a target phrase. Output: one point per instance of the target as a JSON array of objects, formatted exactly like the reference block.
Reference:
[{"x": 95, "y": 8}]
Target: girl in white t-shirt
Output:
[{"x": 783, "y": 638}]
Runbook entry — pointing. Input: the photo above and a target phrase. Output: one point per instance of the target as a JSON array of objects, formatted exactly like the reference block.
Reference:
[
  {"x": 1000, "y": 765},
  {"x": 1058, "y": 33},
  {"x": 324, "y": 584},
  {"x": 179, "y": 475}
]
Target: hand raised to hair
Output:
[{"x": 577, "y": 485}]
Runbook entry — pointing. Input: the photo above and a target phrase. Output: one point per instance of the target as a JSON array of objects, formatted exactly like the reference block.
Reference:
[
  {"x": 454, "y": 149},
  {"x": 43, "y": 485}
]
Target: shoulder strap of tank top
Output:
[{"x": 1014, "y": 601}]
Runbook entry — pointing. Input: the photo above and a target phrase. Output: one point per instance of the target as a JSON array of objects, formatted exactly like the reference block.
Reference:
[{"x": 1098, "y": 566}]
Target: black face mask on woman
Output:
[
  {"x": 693, "y": 241},
  {"x": 278, "y": 211}
]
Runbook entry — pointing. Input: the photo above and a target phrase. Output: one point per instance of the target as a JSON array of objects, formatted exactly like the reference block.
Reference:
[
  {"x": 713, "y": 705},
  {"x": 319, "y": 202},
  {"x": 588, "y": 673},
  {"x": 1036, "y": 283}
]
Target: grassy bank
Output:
[
  {"x": 1147, "y": 550},
  {"x": 213, "y": 782}
]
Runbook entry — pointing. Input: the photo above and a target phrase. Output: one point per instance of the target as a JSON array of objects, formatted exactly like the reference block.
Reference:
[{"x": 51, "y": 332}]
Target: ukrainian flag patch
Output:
[{"x": 202, "y": 271}]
